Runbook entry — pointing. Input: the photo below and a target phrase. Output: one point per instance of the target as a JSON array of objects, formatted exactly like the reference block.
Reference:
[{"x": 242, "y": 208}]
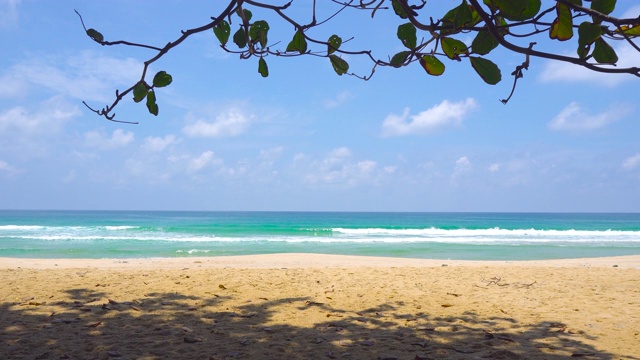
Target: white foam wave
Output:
[
  {"x": 337, "y": 235},
  {"x": 121, "y": 227},
  {"x": 193, "y": 251},
  {"x": 497, "y": 232},
  {"x": 21, "y": 227},
  {"x": 157, "y": 237}
]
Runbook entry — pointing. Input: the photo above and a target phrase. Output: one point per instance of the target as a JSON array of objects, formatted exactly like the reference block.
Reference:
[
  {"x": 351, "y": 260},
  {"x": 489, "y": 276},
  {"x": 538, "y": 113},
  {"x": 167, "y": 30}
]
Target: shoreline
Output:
[{"x": 306, "y": 260}]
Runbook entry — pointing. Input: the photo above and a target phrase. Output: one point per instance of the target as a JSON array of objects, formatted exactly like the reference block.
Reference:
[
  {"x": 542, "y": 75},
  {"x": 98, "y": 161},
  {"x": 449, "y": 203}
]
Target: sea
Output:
[{"x": 455, "y": 236}]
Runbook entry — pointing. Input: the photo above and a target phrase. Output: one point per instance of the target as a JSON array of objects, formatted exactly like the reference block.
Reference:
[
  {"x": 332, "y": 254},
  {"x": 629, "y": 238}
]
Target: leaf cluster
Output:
[
  {"x": 251, "y": 39},
  {"x": 431, "y": 43},
  {"x": 142, "y": 90}
]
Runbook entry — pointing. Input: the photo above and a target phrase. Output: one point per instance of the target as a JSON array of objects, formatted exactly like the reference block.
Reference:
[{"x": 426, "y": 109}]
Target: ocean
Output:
[{"x": 459, "y": 236}]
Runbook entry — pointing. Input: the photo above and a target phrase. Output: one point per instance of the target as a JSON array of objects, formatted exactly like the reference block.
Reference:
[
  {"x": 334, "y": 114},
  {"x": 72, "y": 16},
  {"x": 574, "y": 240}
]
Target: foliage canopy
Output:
[{"x": 429, "y": 39}]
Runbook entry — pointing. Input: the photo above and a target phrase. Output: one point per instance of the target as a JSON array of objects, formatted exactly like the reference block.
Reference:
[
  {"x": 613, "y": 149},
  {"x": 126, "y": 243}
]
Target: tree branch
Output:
[
  {"x": 439, "y": 29},
  {"x": 526, "y": 51},
  {"x": 106, "y": 111}
]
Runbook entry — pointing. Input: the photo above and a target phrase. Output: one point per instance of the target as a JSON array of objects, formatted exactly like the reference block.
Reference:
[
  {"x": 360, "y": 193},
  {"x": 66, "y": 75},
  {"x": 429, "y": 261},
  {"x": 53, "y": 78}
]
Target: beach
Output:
[{"x": 304, "y": 306}]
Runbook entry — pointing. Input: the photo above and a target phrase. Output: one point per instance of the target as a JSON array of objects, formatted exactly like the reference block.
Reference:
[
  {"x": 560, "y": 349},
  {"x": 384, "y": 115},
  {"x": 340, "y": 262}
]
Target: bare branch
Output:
[{"x": 517, "y": 74}]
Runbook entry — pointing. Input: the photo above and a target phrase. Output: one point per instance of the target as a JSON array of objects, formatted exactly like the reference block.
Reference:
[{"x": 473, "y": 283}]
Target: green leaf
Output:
[
  {"x": 603, "y": 6},
  {"x": 475, "y": 17},
  {"x": 240, "y": 38},
  {"x": 140, "y": 91},
  {"x": 490, "y": 4},
  {"x": 339, "y": 65},
  {"x": 95, "y": 35},
  {"x": 501, "y": 22},
  {"x": 432, "y": 65},
  {"x": 222, "y": 32},
  {"x": 562, "y": 27},
  {"x": 162, "y": 79},
  {"x": 484, "y": 42},
  {"x": 453, "y": 48},
  {"x": 398, "y": 59},
  {"x": 258, "y": 32},
  {"x": 603, "y": 53},
  {"x": 488, "y": 71},
  {"x": 247, "y": 14},
  {"x": 153, "y": 108},
  {"x": 299, "y": 43},
  {"x": 398, "y": 9},
  {"x": 334, "y": 43},
  {"x": 518, "y": 10},
  {"x": 632, "y": 31},
  {"x": 407, "y": 34},
  {"x": 151, "y": 103},
  {"x": 587, "y": 34},
  {"x": 458, "y": 17},
  {"x": 262, "y": 67}
]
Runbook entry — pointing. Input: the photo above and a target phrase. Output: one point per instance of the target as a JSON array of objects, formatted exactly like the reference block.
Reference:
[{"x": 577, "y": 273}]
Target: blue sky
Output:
[{"x": 303, "y": 139}]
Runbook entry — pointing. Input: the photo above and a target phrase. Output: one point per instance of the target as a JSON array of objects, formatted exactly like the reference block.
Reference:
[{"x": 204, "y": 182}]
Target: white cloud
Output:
[
  {"x": 575, "y": 118},
  {"x": 268, "y": 157},
  {"x": 439, "y": 116},
  {"x": 49, "y": 118},
  {"x": 557, "y": 71},
  {"x": 8, "y": 169},
  {"x": 119, "y": 138},
  {"x": 233, "y": 122},
  {"x": 8, "y": 12},
  {"x": 495, "y": 167},
  {"x": 631, "y": 162},
  {"x": 193, "y": 164},
  {"x": 85, "y": 76},
  {"x": 463, "y": 166},
  {"x": 340, "y": 99},
  {"x": 271, "y": 154},
  {"x": 335, "y": 157},
  {"x": 12, "y": 85},
  {"x": 367, "y": 166},
  {"x": 158, "y": 144},
  {"x": 338, "y": 167},
  {"x": 339, "y": 153},
  {"x": 70, "y": 177},
  {"x": 205, "y": 159}
]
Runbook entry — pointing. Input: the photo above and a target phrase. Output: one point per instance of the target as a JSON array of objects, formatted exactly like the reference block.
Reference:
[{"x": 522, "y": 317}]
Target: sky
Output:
[{"x": 304, "y": 138}]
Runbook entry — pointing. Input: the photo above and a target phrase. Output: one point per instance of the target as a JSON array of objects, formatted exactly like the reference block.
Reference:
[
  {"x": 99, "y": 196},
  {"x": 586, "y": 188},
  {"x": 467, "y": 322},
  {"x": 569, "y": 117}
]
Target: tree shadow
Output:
[{"x": 88, "y": 324}]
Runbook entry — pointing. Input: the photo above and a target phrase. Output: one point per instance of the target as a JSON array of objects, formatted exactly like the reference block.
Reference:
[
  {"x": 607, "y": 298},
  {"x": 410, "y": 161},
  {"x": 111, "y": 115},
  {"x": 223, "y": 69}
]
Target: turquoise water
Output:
[{"x": 468, "y": 236}]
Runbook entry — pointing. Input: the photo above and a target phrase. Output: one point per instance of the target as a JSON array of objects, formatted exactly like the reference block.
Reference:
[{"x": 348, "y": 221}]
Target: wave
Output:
[
  {"x": 21, "y": 227},
  {"x": 193, "y": 251},
  {"x": 116, "y": 238},
  {"x": 299, "y": 234},
  {"x": 121, "y": 227},
  {"x": 635, "y": 241},
  {"x": 533, "y": 233},
  {"x": 65, "y": 228}
]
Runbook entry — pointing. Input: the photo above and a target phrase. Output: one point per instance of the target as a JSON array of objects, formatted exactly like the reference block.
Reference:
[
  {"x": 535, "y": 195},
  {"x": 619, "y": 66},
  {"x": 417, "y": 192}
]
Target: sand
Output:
[{"x": 300, "y": 306}]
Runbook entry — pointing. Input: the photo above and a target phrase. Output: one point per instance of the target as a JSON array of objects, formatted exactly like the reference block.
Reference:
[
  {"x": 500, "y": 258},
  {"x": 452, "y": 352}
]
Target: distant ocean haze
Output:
[{"x": 464, "y": 236}]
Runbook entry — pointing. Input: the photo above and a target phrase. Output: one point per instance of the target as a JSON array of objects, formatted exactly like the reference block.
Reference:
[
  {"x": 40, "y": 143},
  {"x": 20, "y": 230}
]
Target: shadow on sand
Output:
[{"x": 87, "y": 324}]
